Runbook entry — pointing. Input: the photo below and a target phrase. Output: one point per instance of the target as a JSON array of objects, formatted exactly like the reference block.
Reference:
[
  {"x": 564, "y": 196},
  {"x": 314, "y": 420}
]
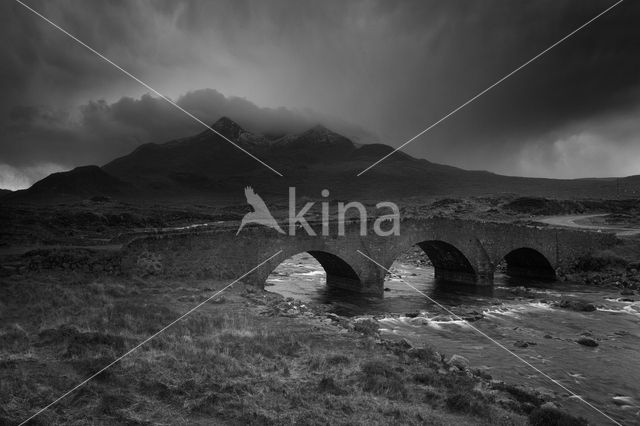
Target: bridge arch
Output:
[
  {"x": 449, "y": 262},
  {"x": 527, "y": 262},
  {"x": 340, "y": 272}
]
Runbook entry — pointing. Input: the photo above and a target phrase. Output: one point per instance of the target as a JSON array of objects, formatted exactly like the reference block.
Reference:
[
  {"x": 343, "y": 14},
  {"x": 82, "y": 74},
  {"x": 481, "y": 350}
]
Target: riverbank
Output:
[
  {"x": 615, "y": 268},
  {"x": 247, "y": 356},
  {"x": 584, "y": 336}
]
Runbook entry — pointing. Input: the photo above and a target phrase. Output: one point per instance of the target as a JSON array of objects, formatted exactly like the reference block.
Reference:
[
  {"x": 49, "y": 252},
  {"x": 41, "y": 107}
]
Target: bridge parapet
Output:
[{"x": 461, "y": 250}]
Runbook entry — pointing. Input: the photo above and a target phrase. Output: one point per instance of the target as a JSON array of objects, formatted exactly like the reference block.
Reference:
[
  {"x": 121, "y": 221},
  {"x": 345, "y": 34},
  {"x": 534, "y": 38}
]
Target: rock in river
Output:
[
  {"x": 585, "y": 341},
  {"x": 576, "y": 305}
]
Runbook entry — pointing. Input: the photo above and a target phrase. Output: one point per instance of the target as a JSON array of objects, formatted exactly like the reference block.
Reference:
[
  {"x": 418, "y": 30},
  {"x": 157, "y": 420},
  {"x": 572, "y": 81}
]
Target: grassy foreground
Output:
[{"x": 247, "y": 357}]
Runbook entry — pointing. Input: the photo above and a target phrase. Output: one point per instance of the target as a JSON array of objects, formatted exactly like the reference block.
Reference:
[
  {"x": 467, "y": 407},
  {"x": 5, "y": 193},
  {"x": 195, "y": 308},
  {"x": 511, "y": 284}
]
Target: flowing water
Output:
[{"x": 608, "y": 376}]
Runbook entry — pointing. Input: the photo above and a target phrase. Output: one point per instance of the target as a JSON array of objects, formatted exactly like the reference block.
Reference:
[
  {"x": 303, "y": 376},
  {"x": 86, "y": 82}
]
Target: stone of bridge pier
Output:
[{"x": 464, "y": 251}]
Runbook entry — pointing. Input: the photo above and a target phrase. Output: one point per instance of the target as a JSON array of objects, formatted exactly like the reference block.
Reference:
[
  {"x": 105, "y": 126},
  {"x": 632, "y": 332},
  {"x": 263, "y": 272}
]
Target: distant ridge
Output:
[
  {"x": 206, "y": 165},
  {"x": 82, "y": 182}
]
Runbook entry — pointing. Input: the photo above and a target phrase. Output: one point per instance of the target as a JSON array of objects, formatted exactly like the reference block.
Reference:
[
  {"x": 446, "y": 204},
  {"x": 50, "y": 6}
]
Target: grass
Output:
[
  {"x": 229, "y": 363},
  {"x": 467, "y": 403},
  {"x": 379, "y": 378},
  {"x": 602, "y": 260},
  {"x": 554, "y": 417}
]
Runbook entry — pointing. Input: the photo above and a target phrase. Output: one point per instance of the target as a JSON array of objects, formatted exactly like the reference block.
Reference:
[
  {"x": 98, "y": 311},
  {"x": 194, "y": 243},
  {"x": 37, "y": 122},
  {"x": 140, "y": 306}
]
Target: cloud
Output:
[
  {"x": 596, "y": 148},
  {"x": 35, "y": 137},
  {"x": 21, "y": 178},
  {"x": 392, "y": 68}
]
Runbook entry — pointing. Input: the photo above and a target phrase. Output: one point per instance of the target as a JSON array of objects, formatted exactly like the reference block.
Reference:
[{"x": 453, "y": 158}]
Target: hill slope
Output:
[{"x": 81, "y": 182}]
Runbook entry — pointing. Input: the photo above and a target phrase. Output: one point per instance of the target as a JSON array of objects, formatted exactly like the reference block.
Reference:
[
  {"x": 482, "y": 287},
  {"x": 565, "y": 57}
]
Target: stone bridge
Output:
[{"x": 464, "y": 251}]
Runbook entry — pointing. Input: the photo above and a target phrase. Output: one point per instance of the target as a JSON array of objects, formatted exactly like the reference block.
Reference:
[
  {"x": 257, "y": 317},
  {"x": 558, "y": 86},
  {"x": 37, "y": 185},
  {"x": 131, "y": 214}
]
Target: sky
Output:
[{"x": 374, "y": 70}]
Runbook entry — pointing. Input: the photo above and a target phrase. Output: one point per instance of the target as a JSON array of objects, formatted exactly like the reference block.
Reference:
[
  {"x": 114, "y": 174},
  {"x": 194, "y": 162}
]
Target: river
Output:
[{"x": 608, "y": 376}]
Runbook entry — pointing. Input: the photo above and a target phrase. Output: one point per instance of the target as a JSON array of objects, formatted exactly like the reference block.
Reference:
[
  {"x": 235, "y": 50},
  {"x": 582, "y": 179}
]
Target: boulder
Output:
[
  {"x": 576, "y": 305},
  {"x": 404, "y": 344},
  {"x": 460, "y": 362},
  {"x": 472, "y": 316}
]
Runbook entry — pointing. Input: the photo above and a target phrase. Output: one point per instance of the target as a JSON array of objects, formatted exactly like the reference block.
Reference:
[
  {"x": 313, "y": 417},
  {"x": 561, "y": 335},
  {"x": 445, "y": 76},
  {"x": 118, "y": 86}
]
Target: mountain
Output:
[
  {"x": 82, "y": 182},
  {"x": 311, "y": 161},
  {"x": 196, "y": 162},
  {"x": 206, "y": 165}
]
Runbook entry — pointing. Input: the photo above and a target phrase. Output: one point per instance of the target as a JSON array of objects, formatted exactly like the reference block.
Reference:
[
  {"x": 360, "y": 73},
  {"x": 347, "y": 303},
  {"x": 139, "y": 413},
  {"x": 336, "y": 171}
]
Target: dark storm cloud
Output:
[
  {"x": 390, "y": 67},
  {"x": 100, "y": 131},
  {"x": 590, "y": 78}
]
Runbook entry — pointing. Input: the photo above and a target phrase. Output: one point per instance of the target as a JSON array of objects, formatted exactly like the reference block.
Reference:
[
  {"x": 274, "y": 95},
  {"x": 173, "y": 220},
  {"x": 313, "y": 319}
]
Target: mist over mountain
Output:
[{"x": 205, "y": 165}]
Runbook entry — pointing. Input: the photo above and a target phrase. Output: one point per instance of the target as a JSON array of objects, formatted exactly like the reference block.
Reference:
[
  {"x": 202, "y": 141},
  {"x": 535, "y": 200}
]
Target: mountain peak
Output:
[
  {"x": 319, "y": 128},
  {"x": 228, "y": 128},
  {"x": 321, "y": 134},
  {"x": 320, "y": 139}
]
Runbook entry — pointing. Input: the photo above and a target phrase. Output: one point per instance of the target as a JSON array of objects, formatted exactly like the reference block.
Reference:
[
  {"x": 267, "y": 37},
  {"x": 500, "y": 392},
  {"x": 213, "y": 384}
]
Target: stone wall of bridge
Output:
[
  {"x": 220, "y": 254},
  {"x": 460, "y": 250}
]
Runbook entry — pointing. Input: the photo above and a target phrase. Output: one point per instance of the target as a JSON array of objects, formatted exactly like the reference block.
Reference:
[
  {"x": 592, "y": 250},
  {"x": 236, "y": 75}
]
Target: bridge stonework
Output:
[{"x": 461, "y": 250}]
